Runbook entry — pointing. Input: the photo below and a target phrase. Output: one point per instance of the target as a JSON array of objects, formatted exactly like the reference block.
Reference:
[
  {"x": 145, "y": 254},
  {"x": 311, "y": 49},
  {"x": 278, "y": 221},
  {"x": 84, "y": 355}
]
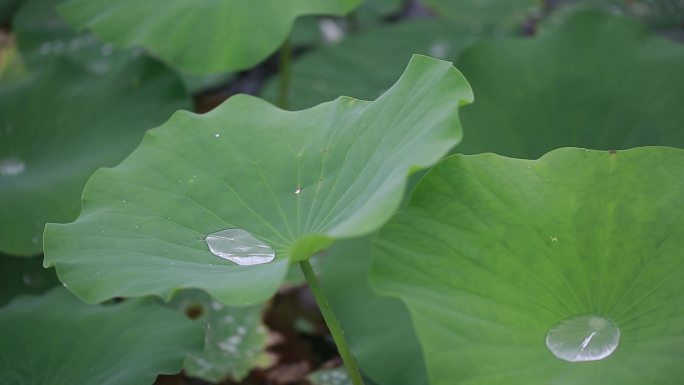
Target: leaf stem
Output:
[
  {"x": 284, "y": 74},
  {"x": 331, "y": 321}
]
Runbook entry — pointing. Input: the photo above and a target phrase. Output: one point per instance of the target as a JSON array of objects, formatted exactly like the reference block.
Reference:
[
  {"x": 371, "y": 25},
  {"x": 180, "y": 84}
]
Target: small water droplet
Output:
[
  {"x": 298, "y": 190},
  {"x": 583, "y": 338},
  {"x": 240, "y": 247},
  {"x": 217, "y": 135},
  {"x": 123, "y": 201},
  {"x": 332, "y": 33},
  {"x": 12, "y": 167}
]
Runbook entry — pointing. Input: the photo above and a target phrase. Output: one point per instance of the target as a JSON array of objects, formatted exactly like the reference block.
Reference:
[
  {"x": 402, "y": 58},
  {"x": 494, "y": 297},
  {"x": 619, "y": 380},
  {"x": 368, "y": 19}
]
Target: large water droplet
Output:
[
  {"x": 240, "y": 247},
  {"x": 582, "y": 338},
  {"x": 11, "y": 167}
]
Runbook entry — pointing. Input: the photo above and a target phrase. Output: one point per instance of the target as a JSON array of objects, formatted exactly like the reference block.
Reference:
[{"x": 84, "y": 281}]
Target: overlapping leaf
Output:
[
  {"x": 492, "y": 252},
  {"x": 352, "y": 66},
  {"x": 595, "y": 81},
  {"x": 57, "y": 340},
  {"x": 295, "y": 180},
  {"x": 199, "y": 37}
]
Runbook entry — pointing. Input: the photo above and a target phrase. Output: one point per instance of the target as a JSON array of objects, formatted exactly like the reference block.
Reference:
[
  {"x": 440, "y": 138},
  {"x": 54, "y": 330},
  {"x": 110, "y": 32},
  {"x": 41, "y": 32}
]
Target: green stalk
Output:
[
  {"x": 331, "y": 321},
  {"x": 284, "y": 74}
]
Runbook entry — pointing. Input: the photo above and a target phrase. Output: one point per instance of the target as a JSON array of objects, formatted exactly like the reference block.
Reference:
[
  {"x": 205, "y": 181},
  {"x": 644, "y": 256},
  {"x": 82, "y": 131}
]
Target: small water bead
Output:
[
  {"x": 583, "y": 338},
  {"x": 331, "y": 31},
  {"x": 12, "y": 167},
  {"x": 239, "y": 246},
  {"x": 298, "y": 190}
]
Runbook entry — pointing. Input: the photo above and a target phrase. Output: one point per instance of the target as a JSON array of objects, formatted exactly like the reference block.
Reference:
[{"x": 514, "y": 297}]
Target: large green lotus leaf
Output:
[
  {"x": 23, "y": 276},
  {"x": 294, "y": 180},
  {"x": 557, "y": 89},
  {"x": 351, "y": 67},
  {"x": 199, "y": 37},
  {"x": 378, "y": 329},
  {"x": 496, "y": 15},
  {"x": 235, "y": 338},
  {"x": 56, "y": 339},
  {"x": 493, "y": 252},
  {"x": 86, "y": 120}
]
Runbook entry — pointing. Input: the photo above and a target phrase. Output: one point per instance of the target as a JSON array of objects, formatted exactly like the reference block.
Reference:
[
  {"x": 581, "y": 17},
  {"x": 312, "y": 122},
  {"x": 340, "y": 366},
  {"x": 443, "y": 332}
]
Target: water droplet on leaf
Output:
[
  {"x": 439, "y": 49},
  {"x": 583, "y": 338},
  {"x": 298, "y": 190},
  {"x": 240, "y": 247}
]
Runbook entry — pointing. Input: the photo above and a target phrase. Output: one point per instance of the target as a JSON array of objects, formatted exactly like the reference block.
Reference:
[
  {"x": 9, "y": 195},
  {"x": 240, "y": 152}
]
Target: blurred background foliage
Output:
[{"x": 79, "y": 95}]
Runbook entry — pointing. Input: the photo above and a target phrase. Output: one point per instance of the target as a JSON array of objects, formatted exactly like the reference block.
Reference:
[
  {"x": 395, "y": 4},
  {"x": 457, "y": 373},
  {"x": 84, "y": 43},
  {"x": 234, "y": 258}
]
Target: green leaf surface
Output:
[
  {"x": 378, "y": 329},
  {"x": 493, "y": 15},
  {"x": 595, "y": 81},
  {"x": 23, "y": 276},
  {"x": 234, "y": 338},
  {"x": 493, "y": 252},
  {"x": 42, "y": 35},
  {"x": 295, "y": 180},
  {"x": 60, "y": 124},
  {"x": 335, "y": 376},
  {"x": 366, "y": 64},
  {"x": 199, "y": 37},
  {"x": 661, "y": 15},
  {"x": 57, "y": 340}
]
